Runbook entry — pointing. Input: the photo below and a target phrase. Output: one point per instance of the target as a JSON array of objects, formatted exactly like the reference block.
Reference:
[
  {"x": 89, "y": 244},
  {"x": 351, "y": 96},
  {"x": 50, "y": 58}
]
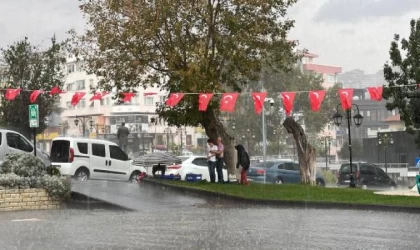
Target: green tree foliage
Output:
[
  {"x": 30, "y": 68},
  {"x": 404, "y": 69},
  {"x": 357, "y": 150},
  {"x": 279, "y": 81},
  {"x": 185, "y": 46}
]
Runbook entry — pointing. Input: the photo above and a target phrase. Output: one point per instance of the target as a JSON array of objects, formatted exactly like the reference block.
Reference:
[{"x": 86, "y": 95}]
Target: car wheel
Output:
[
  {"x": 320, "y": 183},
  {"x": 279, "y": 181},
  {"x": 82, "y": 174},
  {"x": 134, "y": 177}
]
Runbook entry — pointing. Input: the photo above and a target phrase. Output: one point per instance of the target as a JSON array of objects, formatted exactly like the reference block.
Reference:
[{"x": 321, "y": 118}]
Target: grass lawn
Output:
[{"x": 301, "y": 193}]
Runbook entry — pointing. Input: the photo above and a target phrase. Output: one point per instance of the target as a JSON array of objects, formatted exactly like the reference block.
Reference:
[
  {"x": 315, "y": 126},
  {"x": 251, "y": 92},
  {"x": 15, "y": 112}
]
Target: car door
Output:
[
  {"x": 289, "y": 173},
  {"x": 199, "y": 166},
  {"x": 17, "y": 144},
  {"x": 382, "y": 178},
  {"x": 118, "y": 163},
  {"x": 99, "y": 162}
]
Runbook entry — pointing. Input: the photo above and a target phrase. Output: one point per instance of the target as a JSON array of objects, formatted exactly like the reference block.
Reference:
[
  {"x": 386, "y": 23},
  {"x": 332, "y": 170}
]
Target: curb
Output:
[
  {"x": 85, "y": 202},
  {"x": 282, "y": 203}
]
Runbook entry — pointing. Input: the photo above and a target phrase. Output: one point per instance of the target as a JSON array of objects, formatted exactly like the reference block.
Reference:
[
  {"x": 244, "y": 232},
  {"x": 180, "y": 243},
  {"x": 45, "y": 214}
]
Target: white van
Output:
[
  {"x": 14, "y": 142},
  {"x": 86, "y": 159}
]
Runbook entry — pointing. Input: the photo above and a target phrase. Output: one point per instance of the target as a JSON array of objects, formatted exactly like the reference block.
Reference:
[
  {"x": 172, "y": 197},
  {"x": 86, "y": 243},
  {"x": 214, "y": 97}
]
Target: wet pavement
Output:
[{"x": 166, "y": 220}]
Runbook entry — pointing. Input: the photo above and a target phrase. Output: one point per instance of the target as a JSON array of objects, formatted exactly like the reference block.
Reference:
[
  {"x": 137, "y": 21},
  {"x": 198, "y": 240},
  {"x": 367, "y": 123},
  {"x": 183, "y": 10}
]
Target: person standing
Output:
[
  {"x": 220, "y": 158},
  {"x": 211, "y": 160},
  {"x": 243, "y": 162},
  {"x": 122, "y": 135}
]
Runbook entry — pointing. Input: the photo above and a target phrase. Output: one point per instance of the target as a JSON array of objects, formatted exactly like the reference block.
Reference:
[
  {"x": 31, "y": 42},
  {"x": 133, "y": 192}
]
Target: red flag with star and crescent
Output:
[
  {"x": 288, "y": 99},
  {"x": 34, "y": 95},
  {"x": 11, "y": 94},
  {"x": 376, "y": 93},
  {"x": 77, "y": 97},
  {"x": 259, "y": 98},
  {"x": 346, "y": 98},
  {"x": 204, "y": 100},
  {"x": 174, "y": 99},
  {"x": 315, "y": 99},
  {"x": 228, "y": 101}
]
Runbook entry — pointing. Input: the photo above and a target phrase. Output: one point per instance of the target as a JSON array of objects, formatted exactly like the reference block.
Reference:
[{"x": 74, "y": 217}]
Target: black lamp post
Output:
[
  {"x": 358, "y": 118},
  {"x": 168, "y": 132},
  {"x": 327, "y": 144},
  {"x": 84, "y": 120},
  {"x": 385, "y": 140}
]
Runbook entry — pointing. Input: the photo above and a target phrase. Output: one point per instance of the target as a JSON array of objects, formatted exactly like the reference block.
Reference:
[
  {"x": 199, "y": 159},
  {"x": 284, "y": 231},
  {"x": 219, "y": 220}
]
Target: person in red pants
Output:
[{"x": 243, "y": 161}]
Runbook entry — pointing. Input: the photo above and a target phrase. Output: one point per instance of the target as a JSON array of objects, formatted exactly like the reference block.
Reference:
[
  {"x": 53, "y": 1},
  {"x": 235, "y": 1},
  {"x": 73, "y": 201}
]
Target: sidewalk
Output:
[{"x": 408, "y": 192}]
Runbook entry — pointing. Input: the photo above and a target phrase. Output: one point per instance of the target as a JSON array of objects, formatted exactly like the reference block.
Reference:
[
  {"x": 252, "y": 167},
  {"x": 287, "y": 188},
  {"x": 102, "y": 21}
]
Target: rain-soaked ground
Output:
[{"x": 167, "y": 220}]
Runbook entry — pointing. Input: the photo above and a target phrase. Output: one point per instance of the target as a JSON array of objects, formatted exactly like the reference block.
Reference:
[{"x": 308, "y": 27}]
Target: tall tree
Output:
[
  {"x": 402, "y": 70},
  {"x": 185, "y": 46},
  {"x": 29, "y": 68}
]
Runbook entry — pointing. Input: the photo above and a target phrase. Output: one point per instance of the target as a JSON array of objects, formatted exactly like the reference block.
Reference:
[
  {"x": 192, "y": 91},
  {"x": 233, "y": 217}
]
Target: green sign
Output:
[{"x": 33, "y": 116}]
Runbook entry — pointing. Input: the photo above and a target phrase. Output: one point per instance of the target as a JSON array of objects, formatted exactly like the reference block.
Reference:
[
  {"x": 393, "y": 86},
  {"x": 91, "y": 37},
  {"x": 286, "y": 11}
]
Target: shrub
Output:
[
  {"x": 57, "y": 187},
  {"x": 329, "y": 177},
  {"x": 23, "y": 164}
]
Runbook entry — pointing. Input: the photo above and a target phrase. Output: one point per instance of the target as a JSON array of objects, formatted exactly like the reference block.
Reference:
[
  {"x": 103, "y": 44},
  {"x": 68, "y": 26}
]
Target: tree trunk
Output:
[
  {"x": 215, "y": 128},
  {"x": 306, "y": 153}
]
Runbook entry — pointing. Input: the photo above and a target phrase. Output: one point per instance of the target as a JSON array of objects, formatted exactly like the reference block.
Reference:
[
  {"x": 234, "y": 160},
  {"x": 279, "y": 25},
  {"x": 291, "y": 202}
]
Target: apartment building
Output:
[{"x": 101, "y": 118}]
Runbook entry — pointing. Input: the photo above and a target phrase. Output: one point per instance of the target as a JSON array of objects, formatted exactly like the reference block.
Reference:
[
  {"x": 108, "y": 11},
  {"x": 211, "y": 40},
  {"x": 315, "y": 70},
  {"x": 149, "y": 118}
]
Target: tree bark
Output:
[
  {"x": 215, "y": 128},
  {"x": 306, "y": 153}
]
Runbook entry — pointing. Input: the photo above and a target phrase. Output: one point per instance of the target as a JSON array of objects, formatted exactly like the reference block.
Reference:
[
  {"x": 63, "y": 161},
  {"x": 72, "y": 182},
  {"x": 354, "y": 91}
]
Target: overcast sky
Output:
[{"x": 348, "y": 33}]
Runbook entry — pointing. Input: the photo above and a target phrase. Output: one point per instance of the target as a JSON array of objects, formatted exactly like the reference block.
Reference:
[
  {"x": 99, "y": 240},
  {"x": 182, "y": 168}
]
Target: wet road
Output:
[{"x": 193, "y": 223}]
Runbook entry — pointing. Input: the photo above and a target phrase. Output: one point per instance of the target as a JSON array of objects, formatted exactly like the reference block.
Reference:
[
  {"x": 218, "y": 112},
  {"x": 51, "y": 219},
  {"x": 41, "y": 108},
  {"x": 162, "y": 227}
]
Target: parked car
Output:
[
  {"x": 92, "y": 159},
  {"x": 193, "y": 165},
  {"x": 365, "y": 174},
  {"x": 279, "y": 172},
  {"x": 14, "y": 142}
]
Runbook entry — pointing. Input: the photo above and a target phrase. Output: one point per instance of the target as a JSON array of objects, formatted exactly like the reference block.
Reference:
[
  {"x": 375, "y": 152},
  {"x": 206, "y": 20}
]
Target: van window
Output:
[
  {"x": 117, "y": 153},
  {"x": 60, "y": 151},
  {"x": 18, "y": 142},
  {"x": 345, "y": 168},
  {"x": 98, "y": 149},
  {"x": 83, "y": 147}
]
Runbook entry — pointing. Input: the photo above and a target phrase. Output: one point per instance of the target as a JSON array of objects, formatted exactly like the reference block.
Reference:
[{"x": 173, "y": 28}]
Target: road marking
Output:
[{"x": 20, "y": 220}]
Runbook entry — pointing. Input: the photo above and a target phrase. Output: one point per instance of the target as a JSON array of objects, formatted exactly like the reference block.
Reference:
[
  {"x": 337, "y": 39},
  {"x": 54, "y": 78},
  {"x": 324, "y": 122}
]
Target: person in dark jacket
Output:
[{"x": 243, "y": 161}]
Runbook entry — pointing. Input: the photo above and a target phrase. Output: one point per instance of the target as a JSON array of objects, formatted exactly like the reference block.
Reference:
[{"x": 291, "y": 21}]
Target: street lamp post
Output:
[
  {"x": 181, "y": 131},
  {"x": 358, "y": 118},
  {"x": 168, "y": 132},
  {"x": 84, "y": 120},
  {"x": 64, "y": 126},
  {"x": 327, "y": 143},
  {"x": 264, "y": 133},
  {"x": 385, "y": 140}
]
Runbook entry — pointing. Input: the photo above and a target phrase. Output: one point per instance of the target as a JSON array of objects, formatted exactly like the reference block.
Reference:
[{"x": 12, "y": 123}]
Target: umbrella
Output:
[{"x": 156, "y": 158}]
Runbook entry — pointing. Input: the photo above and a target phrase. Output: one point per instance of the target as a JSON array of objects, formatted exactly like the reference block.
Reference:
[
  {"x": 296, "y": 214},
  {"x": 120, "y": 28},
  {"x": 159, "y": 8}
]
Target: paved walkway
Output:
[{"x": 408, "y": 192}]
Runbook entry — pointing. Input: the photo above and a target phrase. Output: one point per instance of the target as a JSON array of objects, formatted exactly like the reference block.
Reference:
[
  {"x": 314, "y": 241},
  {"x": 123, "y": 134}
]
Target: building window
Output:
[
  {"x": 68, "y": 105},
  {"x": 393, "y": 112},
  {"x": 331, "y": 78},
  {"x": 69, "y": 87},
  {"x": 162, "y": 99},
  {"x": 373, "y": 117},
  {"x": 361, "y": 112},
  {"x": 79, "y": 66},
  {"x": 108, "y": 101},
  {"x": 148, "y": 101},
  {"x": 91, "y": 83},
  {"x": 134, "y": 101},
  {"x": 368, "y": 113},
  {"x": 70, "y": 68},
  {"x": 81, "y": 104},
  {"x": 80, "y": 85}
]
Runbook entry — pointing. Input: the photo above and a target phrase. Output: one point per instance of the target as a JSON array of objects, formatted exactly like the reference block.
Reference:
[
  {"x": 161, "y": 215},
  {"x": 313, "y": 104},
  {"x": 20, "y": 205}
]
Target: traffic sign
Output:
[{"x": 33, "y": 116}]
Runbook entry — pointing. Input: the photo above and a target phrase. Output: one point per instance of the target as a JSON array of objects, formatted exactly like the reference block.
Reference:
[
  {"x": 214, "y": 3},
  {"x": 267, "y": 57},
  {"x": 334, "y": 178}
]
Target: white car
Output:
[
  {"x": 86, "y": 159},
  {"x": 194, "y": 165},
  {"x": 13, "y": 142}
]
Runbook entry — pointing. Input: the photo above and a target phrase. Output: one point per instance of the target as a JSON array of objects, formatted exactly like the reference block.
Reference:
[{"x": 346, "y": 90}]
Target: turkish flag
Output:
[
  {"x": 375, "y": 93},
  {"x": 315, "y": 99},
  {"x": 346, "y": 98},
  {"x": 204, "y": 100},
  {"x": 128, "y": 96},
  {"x": 34, "y": 95},
  {"x": 56, "y": 91},
  {"x": 228, "y": 101},
  {"x": 288, "y": 99},
  {"x": 77, "y": 97},
  {"x": 11, "y": 94},
  {"x": 98, "y": 96},
  {"x": 174, "y": 99},
  {"x": 259, "y": 99}
]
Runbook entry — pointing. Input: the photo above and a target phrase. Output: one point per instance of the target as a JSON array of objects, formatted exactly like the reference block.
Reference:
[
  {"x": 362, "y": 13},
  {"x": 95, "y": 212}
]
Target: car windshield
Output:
[
  {"x": 183, "y": 158},
  {"x": 267, "y": 164}
]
